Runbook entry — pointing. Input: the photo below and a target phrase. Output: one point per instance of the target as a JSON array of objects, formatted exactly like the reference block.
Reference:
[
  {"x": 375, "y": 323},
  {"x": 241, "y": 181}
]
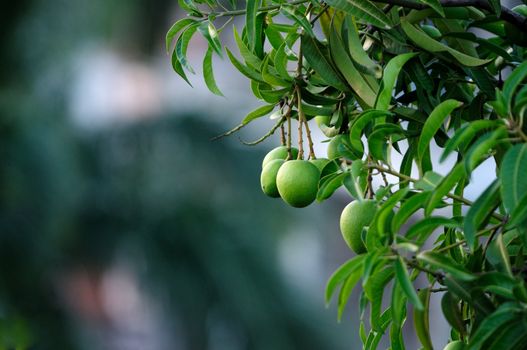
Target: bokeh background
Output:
[{"x": 122, "y": 226}]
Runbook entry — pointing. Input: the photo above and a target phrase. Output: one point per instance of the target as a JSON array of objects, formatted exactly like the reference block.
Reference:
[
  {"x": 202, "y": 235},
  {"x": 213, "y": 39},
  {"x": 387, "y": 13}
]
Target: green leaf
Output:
[
  {"x": 250, "y": 21},
  {"x": 512, "y": 82},
  {"x": 398, "y": 309},
  {"x": 182, "y": 45},
  {"x": 348, "y": 70},
  {"x": 210, "y": 33},
  {"x": 329, "y": 187},
  {"x": 250, "y": 58},
  {"x": 482, "y": 208},
  {"x": 421, "y": 39},
  {"x": 292, "y": 13},
  {"x": 358, "y": 126},
  {"x": 436, "y": 5},
  {"x": 519, "y": 215},
  {"x": 346, "y": 290},
  {"x": 356, "y": 50},
  {"x": 482, "y": 148},
  {"x": 433, "y": 123},
  {"x": 513, "y": 177},
  {"x": 377, "y": 140},
  {"x": 208, "y": 73},
  {"x": 374, "y": 289},
  {"x": 505, "y": 313},
  {"x": 446, "y": 264},
  {"x": 391, "y": 71},
  {"x": 247, "y": 71},
  {"x": 313, "y": 53},
  {"x": 495, "y": 5},
  {"x": 422, "y": 319},
  {"x": 341, "y": 274},
  {"x": 280, "y": 63},
  {"x": 452, "y": 312},
  {"x": 464, "y": 136},
  {"x": 429, "y": 181},
  {"x": 175, "y": 29},
  {"x": 423, "y": 228},
  {"x": 355, "y": 180},
  {"x": 498, "y": 255},
  {"x": 383, "y": 215},
  {"x": 257, "y": 113},
  {"x": 408, "y": 207},
  {"x": 511, "y": 336},
  {"x": 401, "y": 273},
  {"x": 178, "y": 68},
  {"x": 456, "y": 175},
  {"x": 363, "y": 9}
]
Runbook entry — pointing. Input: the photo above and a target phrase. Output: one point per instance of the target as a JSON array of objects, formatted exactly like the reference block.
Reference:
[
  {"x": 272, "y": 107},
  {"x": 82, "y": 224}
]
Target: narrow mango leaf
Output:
[
  {"x": 178, "y": 68},
  {"x": 391, "y": 71},
  {"x": 498, "y": 255},
  {"x": 377, "y": 140},
  {"x": 452, "y": 312},
  {"x": 182, "y": 45},
  {"x": 280, "y": 63},
  {"x": 293, "y": 14},
  {"x": 383, "y": 214},
  {"x": 446, "y": 264},
  {"x": 421, "y": 39},
  {"x": 175, "y": 29},
  {"x": 408, "y": 207},
  {"x": 423, "y": 228},
  {"x": 513, "y": 177},
  {"x": 375, "y": 290},
  {"x": 250, "y": 21},
  {"x": 208, "y": 73},
  {"x": 429, "y": 181},
  {"x": 355, "y": 181},
  {"x": 483, "y": 147},
  {"x": 433, "y": 123},
  {"x": 436, "y": 5},
  {"x": 512, "y": 83},
  {"x": 513, "y": 335},
  {"x": 247, "y": 71},
  {"x": 313, "y": 53},
  {"x": 348, "y": 70},
  {"x": 257, "y": 113},
  {"x": 371, "y": 260},
  {"x": 403, "y": 279},
  {"x": 358, "y": 126},
  {"x": 464, "y": 136},
  {"x": 249, "y": 58},
  {"x": 505, "y": 313},
  {"x": 479, "y": 211},
  {"x": 495, "y": 5},
  {"x": 346, "y": 290},
  {"x": 328, "y": 188},
  {"x": 422, "y": 319},
  {"x": 363, "y": 9},
  {"x": 341, "y": 274},
  {"x": 519, "y": 215},
  {"x": 210, "y": 33},
  {"x": 456, "y": 175},
  {"x": 356, "y": 50},
  {"x": 270, "y": 75}
]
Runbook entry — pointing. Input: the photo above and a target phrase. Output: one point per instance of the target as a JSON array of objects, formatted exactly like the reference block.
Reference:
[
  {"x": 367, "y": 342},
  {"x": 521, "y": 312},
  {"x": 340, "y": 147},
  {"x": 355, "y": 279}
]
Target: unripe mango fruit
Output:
[
  {"x": 268, "y": 177},
  {"x": 455, "y": 345},
  {"x": 297, "y": 182},
  {"x": 279, "y": 153},
  {"x": 333, "y": 146},
  {"x": 354, "y": 217}
]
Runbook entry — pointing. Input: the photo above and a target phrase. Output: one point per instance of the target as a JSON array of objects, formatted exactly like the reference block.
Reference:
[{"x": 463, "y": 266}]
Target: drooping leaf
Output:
[
  {"x": 452, "y": 312},
  {"x": 422, "y": 319},
  {"x": 346, "y": 290},
  {"x": 329, "y": 187},
  {"x": 250, "y": 58},
  {"x": 408, "y": 207},
  {"x": 436, "y": 5},
  {"x": 365, "y": 10},
  {"x": 208, "y": 73},
  {"x": 340, "y": 275},
  {"x": 403, "y": 279},
  {"x": 513, "y": 177},
  {"x": 433, "y": 123},
  {"x": 250, "y": 21},
  {"x": 429, "y": 181},
  {"x": 391, "y": 71},
  {"x": 209, "y": 32},
  {"x": 175, "y": 29},
  {"x": 247, "y": 71},
  {"x": 447, "y": 264},
  {"x": 444, "y": 187},
  {"x": 356, "y": 50},
  {"x": 257, "y": 113},
  {"x": 374, "y": 289}
]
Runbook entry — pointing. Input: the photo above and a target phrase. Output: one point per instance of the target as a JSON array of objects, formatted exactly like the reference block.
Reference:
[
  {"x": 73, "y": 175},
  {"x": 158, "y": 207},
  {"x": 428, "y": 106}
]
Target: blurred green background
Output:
[{"x": 122, "y": 226}]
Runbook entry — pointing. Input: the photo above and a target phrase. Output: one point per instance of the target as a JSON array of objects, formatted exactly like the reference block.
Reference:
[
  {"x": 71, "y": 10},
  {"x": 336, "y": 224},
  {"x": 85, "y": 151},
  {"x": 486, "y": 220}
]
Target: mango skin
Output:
[
  {"x": 455, "y": 345},
  {"x": 297, "y": 182},
  {"x": 355, "y": 216},
  {"x": 268, "y": 178},
  {"x": 278, "y": 153}
]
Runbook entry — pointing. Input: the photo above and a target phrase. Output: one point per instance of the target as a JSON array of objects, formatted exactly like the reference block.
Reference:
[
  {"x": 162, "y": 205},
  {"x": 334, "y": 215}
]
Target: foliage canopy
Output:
[{"x": 405, "y": 77}]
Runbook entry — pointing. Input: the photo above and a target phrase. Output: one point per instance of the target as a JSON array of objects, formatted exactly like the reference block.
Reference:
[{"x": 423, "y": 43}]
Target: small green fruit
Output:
[
  {"x": 279, "y": 153},
  {"x": 455, "y": 345},
  {"x": 323, "y": 167},
  {"x": 431, "y": 31},
  {"x": 333, "y": 146},
  {"x": 515, "y": 35},
  {"x": 268, "y": 177},
  {"x": 353, "y": 219},
  {"x": 322, "y": 120},
  {"x": 297, "y": 182}
]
